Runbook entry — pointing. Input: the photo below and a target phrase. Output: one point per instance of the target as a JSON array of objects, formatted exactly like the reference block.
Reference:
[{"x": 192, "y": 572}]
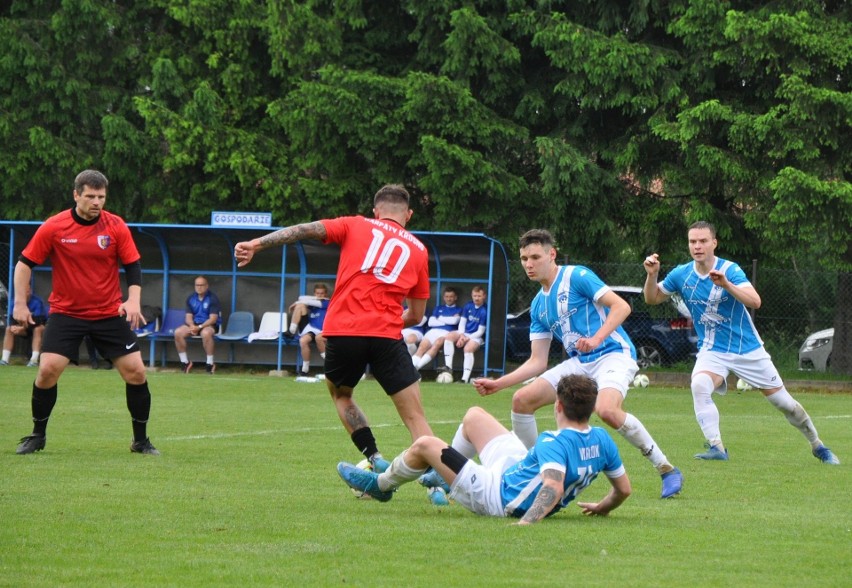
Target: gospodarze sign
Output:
[{"x": 241, "y": 219}]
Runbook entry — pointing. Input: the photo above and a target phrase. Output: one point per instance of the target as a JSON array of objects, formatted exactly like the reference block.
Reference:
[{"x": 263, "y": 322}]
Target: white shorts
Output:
[
  {"x": 418, "y": 334},
  {"x": 754, "y": 367},
  {"x": 477, "y": 487},
  {"x": 310, "y": 329},
  {"x": 613, "y": 370},
  {"x": 432, "y": 335}
]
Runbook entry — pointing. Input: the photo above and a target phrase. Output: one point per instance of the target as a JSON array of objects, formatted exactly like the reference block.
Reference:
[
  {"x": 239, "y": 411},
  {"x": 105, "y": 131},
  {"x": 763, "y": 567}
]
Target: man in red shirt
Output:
[
  {"x": 86, "y": 245},
  {"x": 381, "y": 264}
]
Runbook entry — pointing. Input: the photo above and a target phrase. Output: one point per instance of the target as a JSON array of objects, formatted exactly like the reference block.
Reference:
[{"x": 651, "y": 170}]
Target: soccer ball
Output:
[
  {"x": 641, "y": 381},
  {"x": 364, "y": 464},
  {"x": 444, "y": 378},
  {"x": 743, "y": 385}
]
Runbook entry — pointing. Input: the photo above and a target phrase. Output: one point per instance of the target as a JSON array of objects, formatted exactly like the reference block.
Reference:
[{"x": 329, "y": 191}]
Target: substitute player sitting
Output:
[
  {"x": 512, "y": 481},
  {"x": 470, "y": 334}
]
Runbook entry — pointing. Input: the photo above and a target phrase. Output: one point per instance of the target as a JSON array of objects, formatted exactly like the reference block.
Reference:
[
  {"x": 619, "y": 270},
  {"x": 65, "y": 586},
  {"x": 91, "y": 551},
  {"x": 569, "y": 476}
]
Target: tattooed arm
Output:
[
  {"x": 547, "y": 498},
  {"x": 245, "y": 250}
]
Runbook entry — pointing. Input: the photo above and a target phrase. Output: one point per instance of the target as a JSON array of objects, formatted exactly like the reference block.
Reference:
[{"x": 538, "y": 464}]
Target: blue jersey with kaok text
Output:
[
  {"x": 580, "y": 455},
  {"x": 570, "y": 311},
  {"x": 722, "y": 322}
]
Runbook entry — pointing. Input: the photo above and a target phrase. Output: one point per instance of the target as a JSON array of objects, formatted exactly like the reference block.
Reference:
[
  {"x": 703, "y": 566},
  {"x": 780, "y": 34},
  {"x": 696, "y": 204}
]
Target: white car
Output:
[{"x": 815, "y": 352}]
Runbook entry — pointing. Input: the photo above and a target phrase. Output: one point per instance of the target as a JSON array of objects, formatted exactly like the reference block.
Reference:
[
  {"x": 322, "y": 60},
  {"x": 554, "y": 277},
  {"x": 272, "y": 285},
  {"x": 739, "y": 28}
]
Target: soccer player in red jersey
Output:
[
  {"x": 381, "y": 264},
  {"x": 86, "y": 246}
]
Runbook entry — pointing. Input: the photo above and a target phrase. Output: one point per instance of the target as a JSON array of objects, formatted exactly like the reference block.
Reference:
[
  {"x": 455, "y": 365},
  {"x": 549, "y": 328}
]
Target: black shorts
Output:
[
  {"x": 112, "y": 337},
  {"x": 347, "y": 358}
]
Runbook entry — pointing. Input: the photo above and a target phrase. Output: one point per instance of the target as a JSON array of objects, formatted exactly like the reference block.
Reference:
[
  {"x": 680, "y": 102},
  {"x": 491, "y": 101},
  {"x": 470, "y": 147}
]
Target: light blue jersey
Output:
[
  {"x": 722, "y": 322},
  {"x": 581, "y": 455},
  {"x": 570, "y": 311}
]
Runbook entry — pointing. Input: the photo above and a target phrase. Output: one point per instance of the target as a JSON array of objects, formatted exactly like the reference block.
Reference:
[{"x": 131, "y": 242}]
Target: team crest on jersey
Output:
[{"x": 103, "y": 241}]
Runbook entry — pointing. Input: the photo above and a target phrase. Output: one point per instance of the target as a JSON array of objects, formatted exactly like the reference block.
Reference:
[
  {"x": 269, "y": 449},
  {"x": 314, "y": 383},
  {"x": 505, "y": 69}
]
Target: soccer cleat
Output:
[
  {"x": 31, "y": 444},
  {"x": 32, "y": 364},
  {"x": 713, "y": 453},
  {"x": 211, "y": 368},
  {"x": 432, "y": 479},
  {"x": 363, "y": 481},
  {"x": 825, "y": 455},
  {"x": 437, "y": 496},
  {"x": 144, "y": 447},
  {"x": 3, "y": 362},
  {"x": 672, "y": 483},
  {"x": 186, "y": 367},
  {"x": 379, "y": 463}
]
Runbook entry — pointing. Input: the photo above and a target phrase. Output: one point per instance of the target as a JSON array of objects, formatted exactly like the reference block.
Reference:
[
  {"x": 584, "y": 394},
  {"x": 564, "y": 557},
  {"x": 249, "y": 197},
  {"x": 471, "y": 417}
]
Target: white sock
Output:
[
  {"x": 636, "y": 434},
  {"x": 426, "y": 359},
  {"x": 322, "y": 355},
  {"x": 306, "y": 367},
  {"x": 706, "y": 412},
  {"x": 182, "y": 356},
  {"x": 525, "y": 428},
  {"x": 468, "y": 366},
  {"x": 462, "y": 445},
  {"x": 7, "y": 354},
  {"x": 449, "y": 353},
  {"x": 398, "y": 473},
  {"x": 292, "y": 328},
  {"x": 796, "y": 415},
  {"x": 34, "y": 358},
  {"x": 210, "y": 359}
]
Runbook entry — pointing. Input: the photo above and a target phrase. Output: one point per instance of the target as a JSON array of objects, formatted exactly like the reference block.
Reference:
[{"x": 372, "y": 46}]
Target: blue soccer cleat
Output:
[
  {"x": 379, "y": 463},
  {"x": 672, "y": 483},
  {"x": 825, "y": 455},
  {"x": 432, "y": 479},
  {"x": 363, "y": 481},
  {"x": 712, "y": 453}
]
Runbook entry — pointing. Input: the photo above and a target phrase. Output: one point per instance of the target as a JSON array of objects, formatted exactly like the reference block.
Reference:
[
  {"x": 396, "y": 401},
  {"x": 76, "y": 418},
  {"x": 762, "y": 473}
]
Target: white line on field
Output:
[{"x": 336, "y": 427}]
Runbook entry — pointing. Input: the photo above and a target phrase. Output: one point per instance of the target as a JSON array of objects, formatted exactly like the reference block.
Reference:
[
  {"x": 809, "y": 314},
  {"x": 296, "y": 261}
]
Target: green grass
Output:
[{"x": 246, "y": 494}]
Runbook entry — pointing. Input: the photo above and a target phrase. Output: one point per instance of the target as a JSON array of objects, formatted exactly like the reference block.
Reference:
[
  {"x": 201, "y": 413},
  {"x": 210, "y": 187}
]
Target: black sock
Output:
[
  {"x": 364, "y": 441},
  {"x": 139, "y": 405},
  {"x": 42, "y": 405}
]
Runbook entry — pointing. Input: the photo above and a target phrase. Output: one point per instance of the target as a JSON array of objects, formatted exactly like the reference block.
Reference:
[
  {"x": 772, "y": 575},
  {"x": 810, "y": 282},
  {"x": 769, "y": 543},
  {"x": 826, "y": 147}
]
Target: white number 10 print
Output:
[{"x": 380, "y": 252}]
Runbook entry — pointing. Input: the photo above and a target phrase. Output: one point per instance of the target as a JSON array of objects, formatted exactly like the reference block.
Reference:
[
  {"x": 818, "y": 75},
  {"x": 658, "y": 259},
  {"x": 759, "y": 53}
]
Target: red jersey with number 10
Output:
[
  {"x": 85, "y": 258},
  {"x": 380, "y": 265}
]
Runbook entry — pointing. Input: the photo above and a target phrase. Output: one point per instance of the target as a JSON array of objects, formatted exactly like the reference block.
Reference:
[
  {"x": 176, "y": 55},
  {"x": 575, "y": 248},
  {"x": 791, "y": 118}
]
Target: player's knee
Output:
[
  {"x": 702, "y": 385},
  {"x": 530, "y": 398},
  {"x": 473, "y": 414}
]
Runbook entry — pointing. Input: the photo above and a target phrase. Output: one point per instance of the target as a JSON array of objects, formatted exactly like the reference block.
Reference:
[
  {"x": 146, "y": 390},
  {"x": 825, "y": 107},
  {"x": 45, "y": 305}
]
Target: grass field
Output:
[{"x": 246, "y": 494}]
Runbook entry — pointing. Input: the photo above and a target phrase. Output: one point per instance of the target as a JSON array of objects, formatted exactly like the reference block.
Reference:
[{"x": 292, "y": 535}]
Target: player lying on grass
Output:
[{"x": 511, "y": 480}]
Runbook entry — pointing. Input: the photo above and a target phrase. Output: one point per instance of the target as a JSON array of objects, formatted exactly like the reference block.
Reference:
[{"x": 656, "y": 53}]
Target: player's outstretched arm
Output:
[
  {"x": 245, "y": 250},
  {"x": 617, "y": 495},
  {"x": 534, "y": 366}
]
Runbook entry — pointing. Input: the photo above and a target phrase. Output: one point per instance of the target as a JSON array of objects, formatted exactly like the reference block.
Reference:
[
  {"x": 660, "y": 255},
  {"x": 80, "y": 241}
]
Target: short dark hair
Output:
[
  {"x": 452, "y": 289},
  {"x": 578, "y": 395},
  {"x": 391, "y": 194},
  {"x": 536, "y": 236},
  {"x": 703, "y": 225},
  {"x": 91, "y": 178}
]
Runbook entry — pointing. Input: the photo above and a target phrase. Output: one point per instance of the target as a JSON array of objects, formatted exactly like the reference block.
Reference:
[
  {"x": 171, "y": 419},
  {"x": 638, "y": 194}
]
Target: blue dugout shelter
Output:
[{"x": 173, "y": 255}]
